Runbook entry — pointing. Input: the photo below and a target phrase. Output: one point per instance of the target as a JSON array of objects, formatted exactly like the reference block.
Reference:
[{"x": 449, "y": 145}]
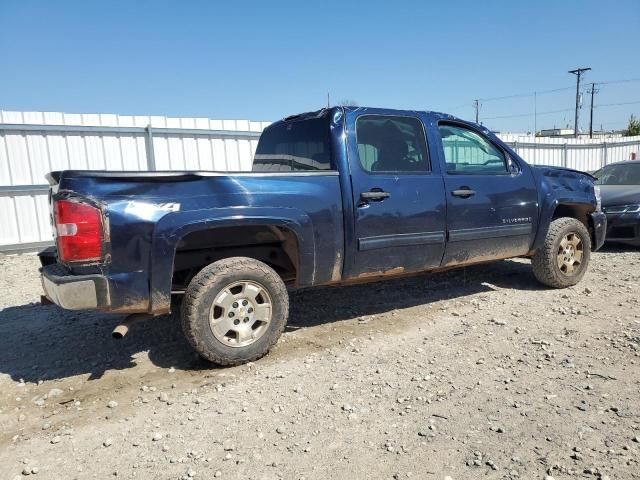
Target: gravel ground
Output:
[{"x": 473, "y": 373}]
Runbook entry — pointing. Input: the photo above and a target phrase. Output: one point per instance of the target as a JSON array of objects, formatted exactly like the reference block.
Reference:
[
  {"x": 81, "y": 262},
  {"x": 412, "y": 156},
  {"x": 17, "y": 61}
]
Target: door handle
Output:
[
  {"x": 374, "y": 195},
  {"x": 464, "y": 192}
]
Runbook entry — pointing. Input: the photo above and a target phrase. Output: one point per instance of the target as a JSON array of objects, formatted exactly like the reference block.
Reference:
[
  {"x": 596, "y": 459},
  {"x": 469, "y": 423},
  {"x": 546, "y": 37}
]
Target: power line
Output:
[
  {"x": 523, "y": 95},
  {"x": 548, "y": 112},
  {"x": 478, "y": 102},
  {"x": 553, "y": 90},
  {"x": 506, "y": 97},
  {"x": 618, "y": 81},
  {"x": 617, "y": 104}
]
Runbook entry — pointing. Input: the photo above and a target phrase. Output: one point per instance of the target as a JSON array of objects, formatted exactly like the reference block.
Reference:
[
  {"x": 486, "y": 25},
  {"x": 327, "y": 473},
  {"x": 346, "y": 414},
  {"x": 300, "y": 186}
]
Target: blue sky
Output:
[{"x": 264, "y": 60}]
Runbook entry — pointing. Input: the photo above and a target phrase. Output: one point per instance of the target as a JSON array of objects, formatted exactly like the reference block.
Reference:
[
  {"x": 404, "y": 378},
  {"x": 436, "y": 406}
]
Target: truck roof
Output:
[{"x": 377, "y": 110}]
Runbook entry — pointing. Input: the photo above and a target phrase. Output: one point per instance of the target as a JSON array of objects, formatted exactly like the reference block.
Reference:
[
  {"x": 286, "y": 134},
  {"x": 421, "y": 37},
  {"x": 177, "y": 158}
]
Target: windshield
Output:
[
  {"x": 622, "y": 174},
  {"x": 296, "y": 145}
]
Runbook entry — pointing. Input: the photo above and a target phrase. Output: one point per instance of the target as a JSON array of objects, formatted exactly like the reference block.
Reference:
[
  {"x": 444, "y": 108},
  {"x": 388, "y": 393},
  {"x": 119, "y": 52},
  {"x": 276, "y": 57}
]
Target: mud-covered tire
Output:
[
  {"x": 545, "y": 262},
  {"x": 207, "y": 286}
]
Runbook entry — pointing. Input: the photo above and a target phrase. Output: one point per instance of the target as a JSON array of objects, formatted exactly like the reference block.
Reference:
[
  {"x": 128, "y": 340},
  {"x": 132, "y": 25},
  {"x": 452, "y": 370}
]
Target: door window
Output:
[
  {"x": 468, "y": 153},
  {"x": 392, "y": 144}
]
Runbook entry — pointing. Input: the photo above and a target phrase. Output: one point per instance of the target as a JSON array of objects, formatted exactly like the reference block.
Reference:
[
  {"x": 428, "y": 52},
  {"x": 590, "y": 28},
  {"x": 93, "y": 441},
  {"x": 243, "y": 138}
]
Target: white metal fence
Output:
[
  {"x": 581, "y": 154},
  {"x": 34, "y": 143}
]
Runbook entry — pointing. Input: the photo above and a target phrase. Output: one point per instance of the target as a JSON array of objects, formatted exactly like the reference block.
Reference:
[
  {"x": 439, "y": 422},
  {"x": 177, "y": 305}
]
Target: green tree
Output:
[{"x": 633, "y": 127}]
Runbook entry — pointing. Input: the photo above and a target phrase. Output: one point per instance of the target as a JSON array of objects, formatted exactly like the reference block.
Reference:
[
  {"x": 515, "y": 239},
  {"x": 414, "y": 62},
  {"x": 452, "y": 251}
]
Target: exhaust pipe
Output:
[{"x": 123, "y": 328}]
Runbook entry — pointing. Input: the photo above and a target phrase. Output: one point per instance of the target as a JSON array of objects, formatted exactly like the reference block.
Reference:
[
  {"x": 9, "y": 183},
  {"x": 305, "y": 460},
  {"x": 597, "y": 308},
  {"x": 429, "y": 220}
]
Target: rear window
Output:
[{"x": 294, "y": 146}]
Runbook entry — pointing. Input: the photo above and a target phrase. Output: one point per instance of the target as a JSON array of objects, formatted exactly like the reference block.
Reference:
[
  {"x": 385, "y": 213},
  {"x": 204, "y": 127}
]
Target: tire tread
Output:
[
  {"x": 200, "y": 285},
  {"x": 543, "y": 262}
]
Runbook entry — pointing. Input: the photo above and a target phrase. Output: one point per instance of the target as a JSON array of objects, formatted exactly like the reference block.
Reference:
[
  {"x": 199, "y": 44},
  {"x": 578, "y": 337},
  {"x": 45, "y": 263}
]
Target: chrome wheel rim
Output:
[
  {"x": 240, "y": 313},
  {"x": 570, "y": 253}
]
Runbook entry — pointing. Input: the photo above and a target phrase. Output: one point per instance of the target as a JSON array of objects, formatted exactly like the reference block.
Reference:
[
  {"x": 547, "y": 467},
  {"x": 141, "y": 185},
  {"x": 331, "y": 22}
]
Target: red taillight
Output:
[{"x": 78, "y": 231}]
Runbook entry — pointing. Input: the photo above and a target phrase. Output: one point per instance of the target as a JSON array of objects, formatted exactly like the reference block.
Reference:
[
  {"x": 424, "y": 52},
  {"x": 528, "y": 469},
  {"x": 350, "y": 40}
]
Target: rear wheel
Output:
[
  {"x": 563, "y": 259},
  {"x": 235, "y": 310}
]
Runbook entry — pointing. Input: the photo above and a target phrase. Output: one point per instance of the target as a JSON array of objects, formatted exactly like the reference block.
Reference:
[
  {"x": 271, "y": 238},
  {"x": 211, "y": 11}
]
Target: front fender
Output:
[
  {"x": 172, "y": 227},
  {"x": 561, "y": 187}
]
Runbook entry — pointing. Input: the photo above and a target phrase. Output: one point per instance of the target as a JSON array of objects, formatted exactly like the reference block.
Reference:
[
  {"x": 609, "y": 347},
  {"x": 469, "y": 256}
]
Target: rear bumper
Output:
[
  {"x": 623, "y": 228},
  {"x": 75, "y": 292},
  {"x": 599, "y": 222},
  {"x": 126, "y": 292}
]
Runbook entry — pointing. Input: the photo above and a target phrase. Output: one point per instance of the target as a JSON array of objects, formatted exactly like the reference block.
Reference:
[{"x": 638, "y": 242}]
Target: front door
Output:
[
  {"x": 492, "y": 201},
  {"x": 399, "y": 202}
]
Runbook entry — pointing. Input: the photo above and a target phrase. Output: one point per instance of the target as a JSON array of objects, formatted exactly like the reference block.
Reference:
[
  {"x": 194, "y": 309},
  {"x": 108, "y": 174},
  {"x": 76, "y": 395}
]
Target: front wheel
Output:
[
  {"x": 563, "y": 259},
  {"x": 235, "y": 310}
]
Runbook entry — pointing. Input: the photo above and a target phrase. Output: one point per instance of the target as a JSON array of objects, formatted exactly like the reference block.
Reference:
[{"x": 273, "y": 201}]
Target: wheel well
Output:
[
  {"x": 275, "y": 246},
  {"x": 578, "y": 211}
]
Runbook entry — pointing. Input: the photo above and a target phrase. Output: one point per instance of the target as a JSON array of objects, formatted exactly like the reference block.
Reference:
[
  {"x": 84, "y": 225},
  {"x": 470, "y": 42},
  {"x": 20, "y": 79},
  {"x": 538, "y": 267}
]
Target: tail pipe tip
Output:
[
  {"x": 123, "y": 328},
  {"x": 120, "y": 331}
]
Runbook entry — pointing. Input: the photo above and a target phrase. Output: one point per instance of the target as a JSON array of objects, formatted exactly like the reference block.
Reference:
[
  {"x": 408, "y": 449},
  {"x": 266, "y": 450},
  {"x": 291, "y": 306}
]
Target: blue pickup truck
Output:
[{"x": 340, "y": 195}]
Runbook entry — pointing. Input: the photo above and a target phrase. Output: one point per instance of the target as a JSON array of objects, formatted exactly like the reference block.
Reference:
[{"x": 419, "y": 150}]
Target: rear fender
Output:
[{"x": 172, "y": 227}]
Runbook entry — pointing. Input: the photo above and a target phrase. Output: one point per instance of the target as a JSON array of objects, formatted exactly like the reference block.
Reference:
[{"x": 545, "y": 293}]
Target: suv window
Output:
[
  {"x": 294, "y": 146},
  {"x": 468, "y": 153},
  {"x": 391, "y": 144}
]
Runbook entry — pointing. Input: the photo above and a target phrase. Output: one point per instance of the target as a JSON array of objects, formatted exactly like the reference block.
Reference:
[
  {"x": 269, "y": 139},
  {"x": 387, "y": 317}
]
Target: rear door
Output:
[
  {"x": 492, "y": 201},
  {"x": 398, "y": 196}
]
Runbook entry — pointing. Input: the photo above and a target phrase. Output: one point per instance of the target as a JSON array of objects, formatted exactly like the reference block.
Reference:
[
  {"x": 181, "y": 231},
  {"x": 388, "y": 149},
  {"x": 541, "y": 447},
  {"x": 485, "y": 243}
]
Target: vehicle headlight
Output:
[
  {"x": 596, "y": 190},
  {"x": 621, "y": 209}
]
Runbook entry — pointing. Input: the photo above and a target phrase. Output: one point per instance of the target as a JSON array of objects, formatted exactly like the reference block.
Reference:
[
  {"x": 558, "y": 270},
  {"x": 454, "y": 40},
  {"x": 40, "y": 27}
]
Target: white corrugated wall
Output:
[
  {"x": 27, "y": 155},
  {"x": 121, "y": 142},
  {"x": 579, "y": 153}
]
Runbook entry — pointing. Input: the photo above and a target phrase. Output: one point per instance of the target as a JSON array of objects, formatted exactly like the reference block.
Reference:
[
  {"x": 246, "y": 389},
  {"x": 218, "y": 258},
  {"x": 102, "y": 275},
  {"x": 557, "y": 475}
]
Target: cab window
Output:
[
  {"x": 469, "y": 153},
  {"x": 391, "y": 144}
]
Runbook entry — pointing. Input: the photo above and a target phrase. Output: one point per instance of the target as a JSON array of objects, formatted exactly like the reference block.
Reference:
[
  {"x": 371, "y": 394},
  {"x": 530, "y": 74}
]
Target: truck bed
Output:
[{"x": 149, "y": 215}]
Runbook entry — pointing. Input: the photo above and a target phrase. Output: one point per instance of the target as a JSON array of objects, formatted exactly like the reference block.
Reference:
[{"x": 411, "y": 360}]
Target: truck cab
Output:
[{"x": 434, "y": 191}]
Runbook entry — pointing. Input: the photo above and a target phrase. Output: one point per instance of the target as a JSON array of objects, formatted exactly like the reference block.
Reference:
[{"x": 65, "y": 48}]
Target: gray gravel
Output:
[{"x": 476, "y": 373}]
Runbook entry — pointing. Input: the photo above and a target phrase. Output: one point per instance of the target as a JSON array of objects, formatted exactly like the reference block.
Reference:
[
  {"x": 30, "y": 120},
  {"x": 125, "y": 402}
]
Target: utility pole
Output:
[
  {"x": 578, "y": 73},
  {"x": 535, "y": 114},
  {"x": 476, "y": 105},
  {"x": 328, "y": 101},
  {"x": 592, "y": 92}
]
